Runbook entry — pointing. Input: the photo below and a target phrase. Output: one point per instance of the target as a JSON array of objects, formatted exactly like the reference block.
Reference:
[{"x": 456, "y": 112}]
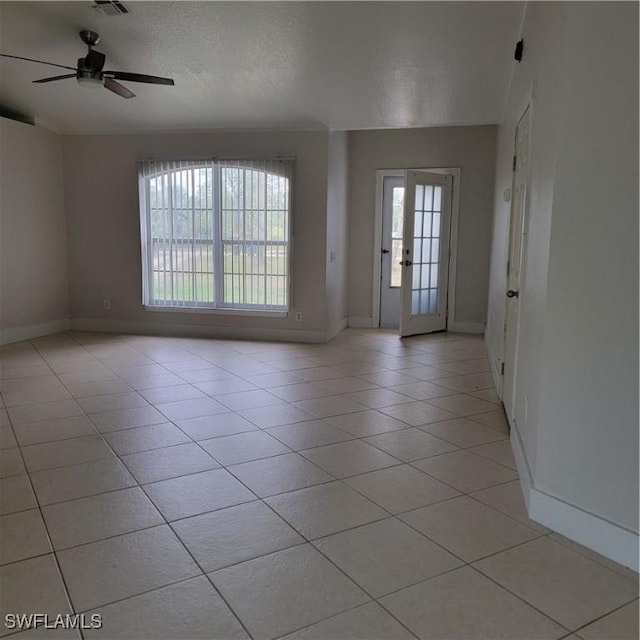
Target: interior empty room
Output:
[{"x": 319, "y": 320}]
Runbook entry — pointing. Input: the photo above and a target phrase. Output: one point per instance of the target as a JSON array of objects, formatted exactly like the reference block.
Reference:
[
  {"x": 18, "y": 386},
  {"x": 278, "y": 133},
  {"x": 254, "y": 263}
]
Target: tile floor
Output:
[{"x": 187, "y": 488}]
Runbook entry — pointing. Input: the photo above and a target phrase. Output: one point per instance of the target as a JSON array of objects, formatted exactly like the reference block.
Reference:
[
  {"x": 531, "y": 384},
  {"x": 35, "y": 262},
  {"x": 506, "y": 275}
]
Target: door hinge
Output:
[
  {"x": 514, "y": 162},
  {"x": 502, "y": 369},
  {"x": 508, "y": 267}
]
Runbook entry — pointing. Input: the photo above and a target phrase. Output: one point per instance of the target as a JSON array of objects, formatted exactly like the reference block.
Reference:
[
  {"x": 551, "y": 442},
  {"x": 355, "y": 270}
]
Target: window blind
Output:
[{"x": 215, "y": 233}]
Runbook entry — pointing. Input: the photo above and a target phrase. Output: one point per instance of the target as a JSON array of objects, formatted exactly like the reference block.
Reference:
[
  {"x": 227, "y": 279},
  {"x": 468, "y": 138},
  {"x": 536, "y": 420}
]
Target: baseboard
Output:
[
  {"x": 197, "y": 330},
  {"x": 336, "y": 327},
  {"x": 466, "y": 327},
  {"x": 17, "y": 334},
  {"x": 360, "y": 322},
  {"x": 596, "y": 533}
]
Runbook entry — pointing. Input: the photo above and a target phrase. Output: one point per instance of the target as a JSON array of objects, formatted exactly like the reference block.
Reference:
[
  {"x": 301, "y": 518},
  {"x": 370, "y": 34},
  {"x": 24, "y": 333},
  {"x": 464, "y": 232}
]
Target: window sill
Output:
[{"x": 258, "y": 313}]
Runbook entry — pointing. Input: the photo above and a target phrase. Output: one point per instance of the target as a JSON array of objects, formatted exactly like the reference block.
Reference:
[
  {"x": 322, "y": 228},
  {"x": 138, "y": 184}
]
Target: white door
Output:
[
  {"x": 425, "y": 259},
  {"x": 517, "y": 238},
  {"x": 391, "y": 250}
]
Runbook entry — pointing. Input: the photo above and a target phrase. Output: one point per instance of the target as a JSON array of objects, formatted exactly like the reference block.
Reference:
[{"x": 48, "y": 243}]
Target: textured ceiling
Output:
[{"x": 341, "y": 65}]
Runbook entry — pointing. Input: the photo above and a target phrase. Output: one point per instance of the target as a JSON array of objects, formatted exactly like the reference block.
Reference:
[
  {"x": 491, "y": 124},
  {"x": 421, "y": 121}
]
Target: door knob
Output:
[
  {"x": 512, "y": 294},
  {"x": 385, "y": 251},
  {"x": 406, "y": 263}
]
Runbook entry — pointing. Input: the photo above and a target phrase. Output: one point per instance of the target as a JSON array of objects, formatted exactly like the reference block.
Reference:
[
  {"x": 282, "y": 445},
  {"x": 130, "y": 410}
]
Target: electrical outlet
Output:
[
  {"x": 298, "y": 316},
  {"x": 106, "y": 304}
]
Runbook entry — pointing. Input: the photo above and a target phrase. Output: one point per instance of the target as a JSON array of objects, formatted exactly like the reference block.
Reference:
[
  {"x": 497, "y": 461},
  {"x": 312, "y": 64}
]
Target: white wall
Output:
[
  {"x": 470, "y": 148},
  {"x": 337, "y": 231},
  {"x": 104, "y": 233},
  {"x": 577, "y": 365},
  {"x": 34, "y": 297}
]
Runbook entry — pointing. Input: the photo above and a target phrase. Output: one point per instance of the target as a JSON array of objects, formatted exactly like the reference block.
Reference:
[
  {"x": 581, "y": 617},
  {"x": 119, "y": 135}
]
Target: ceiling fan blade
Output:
[
  {"x": 138, "y": 77},
  {"x": 94, "y": 60},
  {"x": 51, "y": 64},
  {"x": 116, "y": 87},
  {"x": 54, "y": 78}
]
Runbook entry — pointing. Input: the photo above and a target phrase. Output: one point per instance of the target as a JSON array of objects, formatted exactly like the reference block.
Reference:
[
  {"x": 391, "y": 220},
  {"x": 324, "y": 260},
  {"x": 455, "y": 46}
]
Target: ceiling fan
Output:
[{"x": 89, "y": 71}]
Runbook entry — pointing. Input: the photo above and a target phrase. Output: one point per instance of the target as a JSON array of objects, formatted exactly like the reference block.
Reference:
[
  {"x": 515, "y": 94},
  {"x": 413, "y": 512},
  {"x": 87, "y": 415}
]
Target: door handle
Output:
[
  {"x": 385, "y": 251},
  {"x": 406, "y": 263},
  {"x": 512, "y": 294}
]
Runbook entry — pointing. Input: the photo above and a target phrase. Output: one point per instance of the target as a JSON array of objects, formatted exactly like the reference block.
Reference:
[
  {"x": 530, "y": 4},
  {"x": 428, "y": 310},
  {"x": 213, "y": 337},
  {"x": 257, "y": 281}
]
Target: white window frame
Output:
[{"x": 218, "y": 306}]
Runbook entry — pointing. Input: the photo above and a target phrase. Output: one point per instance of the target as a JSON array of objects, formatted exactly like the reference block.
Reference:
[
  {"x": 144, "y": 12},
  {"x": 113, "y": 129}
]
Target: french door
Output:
[{"x": 425, "y": 252}]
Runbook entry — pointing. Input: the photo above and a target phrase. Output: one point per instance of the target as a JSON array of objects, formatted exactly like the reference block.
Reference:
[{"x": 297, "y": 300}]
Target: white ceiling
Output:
[{"x": 341, "y": 65}]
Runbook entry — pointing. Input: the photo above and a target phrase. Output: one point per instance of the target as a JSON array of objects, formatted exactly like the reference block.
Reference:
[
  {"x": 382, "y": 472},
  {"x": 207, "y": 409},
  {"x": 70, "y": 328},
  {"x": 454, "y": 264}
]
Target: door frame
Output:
[
  {"x": 526, "y": 105},
  {"x": 456, "y": 172}
]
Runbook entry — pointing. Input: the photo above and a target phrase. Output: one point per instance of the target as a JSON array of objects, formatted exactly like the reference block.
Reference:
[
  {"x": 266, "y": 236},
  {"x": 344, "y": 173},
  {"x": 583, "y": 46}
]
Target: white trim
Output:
[
  {"x": 361, "y": 322},
  {"x": 596, "y": 533},
  {"x": 17, "y": 334},
  {"x": 456, "y": 172},
  {"x": 218, "y": 311},
  {"x": 334, "y": 328},
  {"x": 467, "y": 327},
  {"x": 197, "y": 330}
]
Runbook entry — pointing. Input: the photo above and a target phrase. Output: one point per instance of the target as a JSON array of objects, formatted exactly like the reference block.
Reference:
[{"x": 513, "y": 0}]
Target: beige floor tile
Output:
[
  {"x": 22, "y": 536},
  {"x": 366, "y": 423},
  {"x": 221, "y": 424},
  {"x": 464, "y": 605},
  {"x": 197, "y": 493},
  {"x": 32, "y": 396},
  {"x": 403, "y": 557},
  {"x": 159, "y": 381},
  {"x": 101, "y": 404},
  {"x": 172, "y": 394},
  {"x": 468, "y": 528},
  {"x": 44, "y": 411},
  {"x": 619, "y": 625},
  {"x": 410, "y": 444},
  {"x": 52, "y": 430},
  {"x": 16, "y": 494},
  {"x": 486, "y": 394},
  {"x": 127, "y": 418},
  {"x": 362, "y": 623},
  {"x": 7, "y": 439},
  {"x": 228, "y": 536},
  {"x": 417, "y": 413},
  {"x": 462, "y": 404},
  {"x": 273, "y": 380},
  {"x": 202, "y": 375},
  {"x": 391, "y": 378},
  {"x": 308, "y": 434},
  {"x": 226, "y": 385},
  {"x": 101, "y": 388},
  {"x": 325, "y": 509},
  {"x": 350, "y": 458},
  {"x": 508, "y": 499},
  {"x": 98, "y": 517},
  {"x": 330, "y": 406},
  {"x": 315, "y": 374},
  {"x": 169, "y": 462},
  {"x": 494, "y": 419},
  {"x": 345, "y": 385},
  {"x": 500, "y": 452},
  {"x": 463, "y": 384},
  {"x": 276, "y": 415},
  {"x": 463, "y": 432},
  {"x": 190, "y": 609},
  {"x": 465, "y": 471},
  {"x": 155, "y": 436},
  {"x": 270, "y": 476},
  {"x": 278, "y": 593},
  {"x": 299, "y": 391},
  {"x": 109, "y": 570},
  {"x": 378, "y": 398},
  {"x": 51, "y": 455},
  {"x": 50, "y": 634},
  {"x": 243, "y": 447},
  {"x": 401, "y": 488},
  {"x": 559, "y": 582},
  {"x": 422, "y": 390},
  {"x": 248, "y": 400},
  {"x": 193, "y": 408},
  {"x": 32, "y": 586},
  {"x": 80, "y": 480}
]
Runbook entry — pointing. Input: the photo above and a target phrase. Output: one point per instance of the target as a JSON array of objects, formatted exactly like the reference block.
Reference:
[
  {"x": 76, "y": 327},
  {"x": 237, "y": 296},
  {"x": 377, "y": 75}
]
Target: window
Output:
[{"x": 215, "y": 234}]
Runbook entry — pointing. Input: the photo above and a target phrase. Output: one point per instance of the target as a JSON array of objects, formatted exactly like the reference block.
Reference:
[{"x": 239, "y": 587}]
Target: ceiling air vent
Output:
[{"x": 109, "y": 7}]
